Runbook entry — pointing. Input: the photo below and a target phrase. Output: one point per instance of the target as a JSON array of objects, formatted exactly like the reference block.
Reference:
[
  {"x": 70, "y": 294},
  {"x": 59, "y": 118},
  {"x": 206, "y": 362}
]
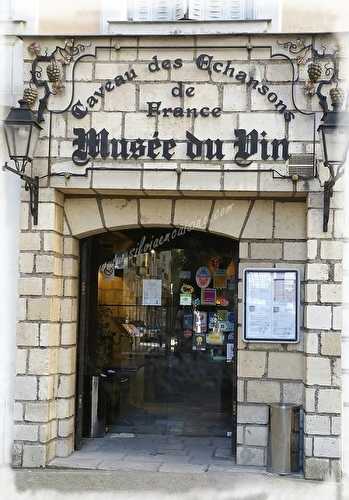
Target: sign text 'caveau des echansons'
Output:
[{"x": 91, "y": 144}]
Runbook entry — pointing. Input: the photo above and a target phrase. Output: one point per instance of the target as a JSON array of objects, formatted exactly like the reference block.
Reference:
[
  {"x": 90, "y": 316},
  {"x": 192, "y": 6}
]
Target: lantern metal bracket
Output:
[
  {"x": 328, "y": 191},
  {"x": 31, "y": 184}
]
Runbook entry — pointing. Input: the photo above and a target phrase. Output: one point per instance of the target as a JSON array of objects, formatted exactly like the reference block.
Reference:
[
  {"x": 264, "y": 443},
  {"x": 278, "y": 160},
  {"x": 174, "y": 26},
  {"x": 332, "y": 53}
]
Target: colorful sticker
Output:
[
  {"x": 216, "y": 337},
  {"x": 203, "y": 277},
  {"x": 199, "y": 342},
  {"x": 185, "y": 288},
  {"x": 187, "y": 321},
  {"x": 185, "y": 299},
  {"x": 208, "y": 296}
]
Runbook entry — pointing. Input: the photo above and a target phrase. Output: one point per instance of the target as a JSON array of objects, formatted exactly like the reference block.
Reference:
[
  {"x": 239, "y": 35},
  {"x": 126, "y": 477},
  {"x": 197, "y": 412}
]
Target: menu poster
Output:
[
  {"x": 220, "y": 279},
  {"x": 151, "y": 292},
  {"x": 271, "y": 302},
  {"x": 185, "y": 299}
]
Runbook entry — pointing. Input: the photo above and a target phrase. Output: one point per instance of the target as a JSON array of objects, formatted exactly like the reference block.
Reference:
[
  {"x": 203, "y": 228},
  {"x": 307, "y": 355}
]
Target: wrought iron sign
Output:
[{"x": 249, "y": 145}]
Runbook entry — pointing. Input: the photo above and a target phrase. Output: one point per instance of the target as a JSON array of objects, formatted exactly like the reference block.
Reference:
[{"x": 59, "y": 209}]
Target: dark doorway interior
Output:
[{"x": 157, "y": 347}]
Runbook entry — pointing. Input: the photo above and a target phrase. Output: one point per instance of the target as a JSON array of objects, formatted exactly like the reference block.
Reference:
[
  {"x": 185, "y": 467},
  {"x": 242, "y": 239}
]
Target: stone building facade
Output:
[{"x": 277, "y": 221}]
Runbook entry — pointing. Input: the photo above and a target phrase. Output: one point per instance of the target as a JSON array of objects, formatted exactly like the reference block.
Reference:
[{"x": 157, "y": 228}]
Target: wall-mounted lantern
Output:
[
  {"x": 334, "y": 140},
  {"x": 22, "y": 133}
]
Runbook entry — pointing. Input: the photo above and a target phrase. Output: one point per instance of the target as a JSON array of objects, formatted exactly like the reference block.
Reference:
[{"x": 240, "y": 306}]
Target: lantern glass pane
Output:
[
  {"x": 336, "y": 143},
  {"x": 18, "y": 135},
  {"x": 33, "y": 141}
]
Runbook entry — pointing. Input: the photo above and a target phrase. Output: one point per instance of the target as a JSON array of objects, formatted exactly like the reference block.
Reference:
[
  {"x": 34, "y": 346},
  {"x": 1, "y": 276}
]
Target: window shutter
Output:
[
  {"x": 158, "y": 10},
  {"x": 215, "y": 10}
]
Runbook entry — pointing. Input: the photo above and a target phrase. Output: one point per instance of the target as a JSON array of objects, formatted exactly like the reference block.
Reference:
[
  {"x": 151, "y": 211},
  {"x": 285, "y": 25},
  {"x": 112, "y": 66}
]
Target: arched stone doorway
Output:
[{"x": 158, "y": 334}]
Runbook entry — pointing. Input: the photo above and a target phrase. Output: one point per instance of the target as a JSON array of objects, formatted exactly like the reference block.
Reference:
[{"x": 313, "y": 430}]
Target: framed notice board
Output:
[{"x": 271, "y": 305}]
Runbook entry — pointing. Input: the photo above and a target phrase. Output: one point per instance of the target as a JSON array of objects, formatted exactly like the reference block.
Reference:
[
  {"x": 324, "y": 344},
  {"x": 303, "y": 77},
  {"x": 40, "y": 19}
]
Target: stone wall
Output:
[{"x": 278, "y": 223}]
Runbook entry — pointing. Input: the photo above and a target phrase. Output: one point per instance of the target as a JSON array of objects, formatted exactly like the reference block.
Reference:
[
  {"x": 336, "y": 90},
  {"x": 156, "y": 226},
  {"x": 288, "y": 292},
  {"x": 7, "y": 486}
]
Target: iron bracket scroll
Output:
[{"x": 31, "y": 184}]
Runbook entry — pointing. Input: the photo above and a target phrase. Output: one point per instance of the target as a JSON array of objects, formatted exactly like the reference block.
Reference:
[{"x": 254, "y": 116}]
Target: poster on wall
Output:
[
  {"x": 151, "y": 292},
  {"x": 271, "y": 305},
  {"x": 203, "y": 277}
]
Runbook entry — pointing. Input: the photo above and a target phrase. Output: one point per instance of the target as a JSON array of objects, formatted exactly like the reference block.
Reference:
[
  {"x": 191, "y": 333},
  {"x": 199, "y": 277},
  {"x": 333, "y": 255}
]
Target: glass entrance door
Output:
[{"x": 165, "y": 339}]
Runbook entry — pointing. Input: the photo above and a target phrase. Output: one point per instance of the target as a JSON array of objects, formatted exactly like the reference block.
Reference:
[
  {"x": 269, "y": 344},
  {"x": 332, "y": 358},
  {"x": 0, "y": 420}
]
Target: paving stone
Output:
[
  {"x": 186, "y": 468},
  {"x": 223, "y": 453},
  {"x": 129, "y": 466},
  {"x": 75, "y": 463}
]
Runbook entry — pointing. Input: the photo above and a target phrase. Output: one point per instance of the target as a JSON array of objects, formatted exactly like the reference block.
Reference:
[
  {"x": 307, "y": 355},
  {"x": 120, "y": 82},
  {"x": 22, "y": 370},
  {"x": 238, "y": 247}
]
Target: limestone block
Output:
[
  {"x": 21, "y": 361},
  {"x": 338, "y": 272},
  {"x": 44, "y": 309},
  {"x": 295, "y": 250},
  {"x": 316, "y": 468},
  {"x": 42, "y": 361},
  {"x": 71, "y": 287},
  {"x": 47, "y": 387},
  {"x": 66, "y": 386},
  {"x": 263, "y": 391},
  {"x": 107, "y": 71},
  {"x": 148, "y": 92},
  {"x": 318, "y": 317},
  {"x": 193, "y": 181},
  {"x": 174, "y": 128},
  {"x": 228, "y": 217},
  {"x": 256, "y": 435},
  {"x": 247, "y": 455},
  {"x": 83, "y": 216},
  {"x": 331, "y": 293},
  {"x": 67, "y": 360},
  {"x": 106, "y": 182},
  {"x": 34, "y": 455},
  {"x": 317, "y": 371},
  {"x": 48, "y": 431},
  {"x": 251, "y": 364},
  {"x": 49, "y": 334},
  {"x": 285, "y": 365},
  {"x": 119, "y": 213},
  {"x": 69, "y": 309},
  {"x": 327, "y": 447},
  {"x": 65, "y": 427},
  {"x": 331, "y": 250},
  {"x": 24, "y": 216},
  {"x": 337, "y": 372},
  {"x": 65, "y": 407},
  {"x": 70, "y": 267},
  {"x": 37, "y": 412},
  {"x": 271, "y": 123},
  {"x": 290, "y": 220},
  {"x": 48, "y": 264},
  {"x": 50, "y": 217},
  {"x": 312, "y": 246},
  {"x": 138, "y": 125},
  {"x": 311, "y": 343},
  {"x": 65, "y": 446},
  {"x": 206, "y": 93},
  {"x": 192, "y": 213},
  {"x": 234, "y": 98},
  {"x": 27, "y": 334},
  {"x": 186, "y": 54},
  {"x": 26, "y": 388},
  {"x": 159, "y": 181},
  {"x": 26, "y": 262},
  {"x": 260, "y": 221},
  {"x": 110, "y": 121},
  {"x": 73, "y": 122},
  {"x": 309, "y": 399},
  {"x": 154, "y": 212},
  {"x": 301, "y": 129},
  {"x": 240, "y": 434},
  {"x": 331, "y": 344},
  {"x": 54, "y": 286},
  {"x": 22, "y": 309},
  {"x": 240, "y": 391},
  {"x": 293, "y": 393},
  {"x": 121, "y": 99},
  {"x": 71, "y": 246},
  {"x": 187, "y": 73},
  {"x": 252, "y": 414},
  {"x": 317, "y": 272},
  {"x": 339, "y": 222},
  {"x": 266, "y": 250},
  {"x": 68, "y": 335},
  {"x": 259, "y": 102},
  {"x": 329, "y": 401},
  {"x": 29, "y": 241},
  {"x": 336, "y": 425},
  {"x": 315, "y": 224},
  {"x": 308, "y": 446},
  {"x": 216, "y": 128},
  {"x": 144, "y": 75},
  {"x": 310, "y": 293},
  {"x": 26, "y": 432},
  {"x": 53, "y": 243},
  {"x": 243, "y": 250},
  {"x": 279, "y": 72}
]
